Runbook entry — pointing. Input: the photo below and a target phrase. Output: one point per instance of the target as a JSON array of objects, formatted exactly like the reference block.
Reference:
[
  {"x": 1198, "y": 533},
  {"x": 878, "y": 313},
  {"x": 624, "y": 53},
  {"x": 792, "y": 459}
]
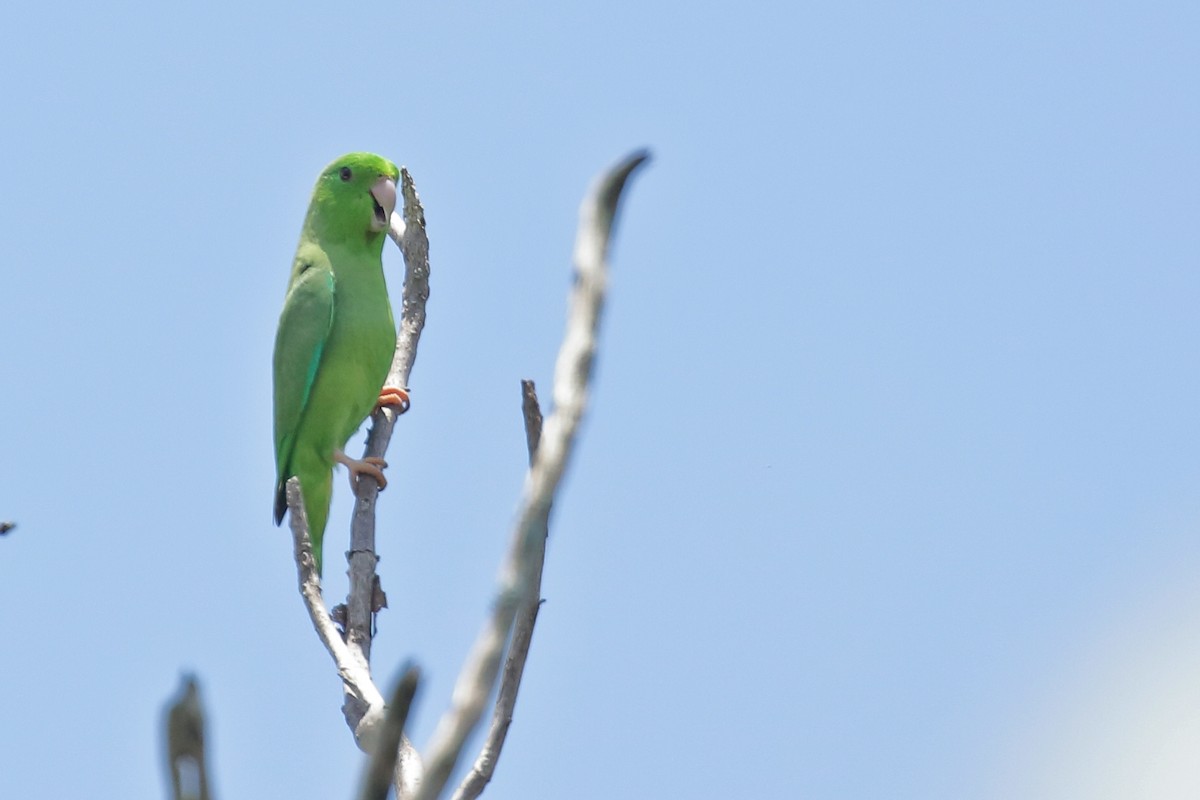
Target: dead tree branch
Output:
[
  {"x": 571, "y": 375},
  {"x": 365, "y": 596}
]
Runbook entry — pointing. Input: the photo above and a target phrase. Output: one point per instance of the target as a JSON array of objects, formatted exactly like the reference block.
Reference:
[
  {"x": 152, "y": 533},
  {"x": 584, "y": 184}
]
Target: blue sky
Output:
[{"x": 891, "y": 484}]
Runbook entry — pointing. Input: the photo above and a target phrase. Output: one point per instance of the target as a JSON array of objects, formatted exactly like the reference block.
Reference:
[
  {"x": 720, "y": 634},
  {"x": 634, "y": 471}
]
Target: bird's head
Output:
[{"x": 356, "y": 195}]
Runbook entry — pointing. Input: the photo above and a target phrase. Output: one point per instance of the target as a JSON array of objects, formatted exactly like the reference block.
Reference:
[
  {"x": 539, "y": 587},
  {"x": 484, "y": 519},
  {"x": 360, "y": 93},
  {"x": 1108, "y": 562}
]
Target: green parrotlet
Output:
[{"x": 336, "y": 335}]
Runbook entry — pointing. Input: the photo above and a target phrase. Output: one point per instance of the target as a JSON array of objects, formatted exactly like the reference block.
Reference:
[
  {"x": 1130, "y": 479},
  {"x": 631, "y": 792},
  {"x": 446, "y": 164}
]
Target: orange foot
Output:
[
  {"x": 393, "y": 396},
  {"x": 371, "y": 465}
]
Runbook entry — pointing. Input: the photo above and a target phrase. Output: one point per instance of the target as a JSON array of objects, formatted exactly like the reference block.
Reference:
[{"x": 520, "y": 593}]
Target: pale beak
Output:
[{"x": 384, "y": 193}]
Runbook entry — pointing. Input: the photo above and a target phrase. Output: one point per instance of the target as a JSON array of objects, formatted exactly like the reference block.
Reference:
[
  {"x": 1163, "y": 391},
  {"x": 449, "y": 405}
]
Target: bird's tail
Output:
[{"x": 316, "y": 486}]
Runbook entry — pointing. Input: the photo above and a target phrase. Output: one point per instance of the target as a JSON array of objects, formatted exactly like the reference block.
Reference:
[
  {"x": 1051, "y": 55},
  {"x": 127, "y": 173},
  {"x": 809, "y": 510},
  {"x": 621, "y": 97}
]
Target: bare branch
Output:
[
  {"x": 571, "y": 376},
  {"x": 361, "y": 602},
  {"x": 185, "y": 744},
  {"x": 365, "y": 596},
  {"x": 518, "y": 650},
  {"x": 382, "y": 765}
]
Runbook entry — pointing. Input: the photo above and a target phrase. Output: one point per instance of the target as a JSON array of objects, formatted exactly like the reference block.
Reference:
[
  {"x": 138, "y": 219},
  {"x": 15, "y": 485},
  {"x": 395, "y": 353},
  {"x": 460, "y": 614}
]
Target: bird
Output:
[{"x": 336, "y": 336}]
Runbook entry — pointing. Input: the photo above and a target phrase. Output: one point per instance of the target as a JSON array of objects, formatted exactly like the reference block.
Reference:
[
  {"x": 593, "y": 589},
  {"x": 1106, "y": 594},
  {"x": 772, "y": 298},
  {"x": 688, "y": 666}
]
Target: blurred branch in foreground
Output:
[
  {"x": 185, "y": 744},
  {"x": 382, "y": 766}
]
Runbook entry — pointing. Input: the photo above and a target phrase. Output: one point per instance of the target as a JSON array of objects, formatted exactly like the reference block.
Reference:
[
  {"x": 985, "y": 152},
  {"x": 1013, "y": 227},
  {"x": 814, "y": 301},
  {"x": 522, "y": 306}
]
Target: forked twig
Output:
[
  {"x": 571, "y": 375},
  {"x": 522, "y": 636}
]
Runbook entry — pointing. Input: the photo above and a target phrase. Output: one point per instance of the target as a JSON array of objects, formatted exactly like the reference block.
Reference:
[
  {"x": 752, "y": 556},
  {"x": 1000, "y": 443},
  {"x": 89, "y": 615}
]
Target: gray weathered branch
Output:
[
  {"x": 571, "y": 376},
  {"x": 365, "y": 596}
]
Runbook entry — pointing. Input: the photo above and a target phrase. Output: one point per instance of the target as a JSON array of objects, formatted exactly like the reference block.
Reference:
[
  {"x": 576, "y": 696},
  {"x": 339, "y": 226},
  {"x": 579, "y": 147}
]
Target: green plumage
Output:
[{"x": 336, "y": 335}]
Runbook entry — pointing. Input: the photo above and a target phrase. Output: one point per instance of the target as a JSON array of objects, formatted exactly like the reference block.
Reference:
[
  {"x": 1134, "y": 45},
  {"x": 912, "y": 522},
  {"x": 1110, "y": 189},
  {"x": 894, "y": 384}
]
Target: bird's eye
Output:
[{"x": 346, "y": 174}]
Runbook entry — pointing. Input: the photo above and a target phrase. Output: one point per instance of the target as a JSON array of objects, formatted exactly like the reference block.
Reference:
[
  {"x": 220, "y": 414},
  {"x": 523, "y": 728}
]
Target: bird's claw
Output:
[
  {"x": 371, "y": 465},
  {"x": 393, "y": 396}
]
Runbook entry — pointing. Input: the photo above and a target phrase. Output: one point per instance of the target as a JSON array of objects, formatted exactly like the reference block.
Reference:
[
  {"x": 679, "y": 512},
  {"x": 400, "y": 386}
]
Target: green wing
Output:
[{"x": 300, "y": 341}]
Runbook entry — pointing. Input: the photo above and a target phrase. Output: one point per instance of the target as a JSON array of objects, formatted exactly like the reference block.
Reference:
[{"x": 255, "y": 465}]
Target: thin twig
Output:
[
  {"x": 408, "y": 232},
  {"x": 531, "y": 411},
  {"x": 518, "y": 649},
  {"x": 571, "y": 375},
  {"x": 382, "y": 765}
]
